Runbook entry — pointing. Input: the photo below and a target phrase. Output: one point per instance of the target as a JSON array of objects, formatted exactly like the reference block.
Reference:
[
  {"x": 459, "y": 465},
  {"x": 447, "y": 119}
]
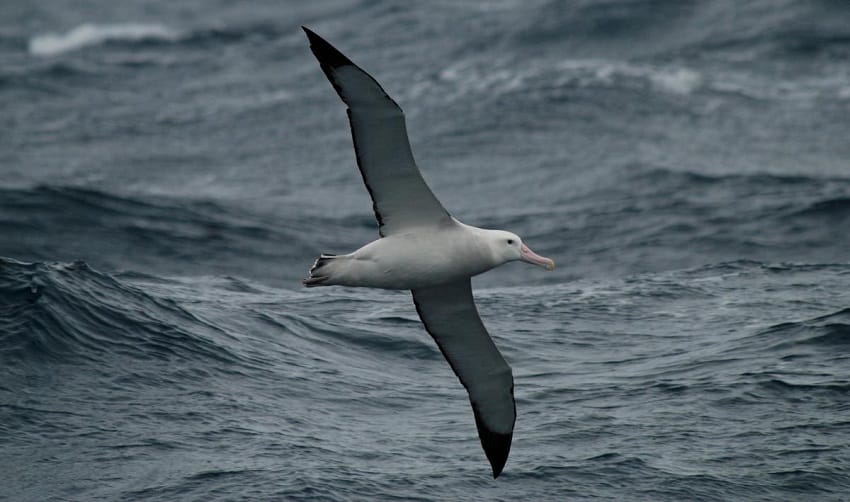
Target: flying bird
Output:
[{"x": 424, "y": 249}]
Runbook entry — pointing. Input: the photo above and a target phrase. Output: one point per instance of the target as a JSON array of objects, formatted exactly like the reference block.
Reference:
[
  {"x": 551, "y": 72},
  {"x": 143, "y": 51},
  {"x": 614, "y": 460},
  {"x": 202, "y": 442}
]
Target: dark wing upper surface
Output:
[
  {"x": 400, "y": 197},
  {"x": 449, "y": 314}
]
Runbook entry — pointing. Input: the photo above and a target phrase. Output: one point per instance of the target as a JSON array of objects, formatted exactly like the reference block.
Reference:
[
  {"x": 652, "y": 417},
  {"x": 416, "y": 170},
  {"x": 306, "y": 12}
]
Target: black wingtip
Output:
[
  {"x": 496, "y": 446},
  {"x": 325, "y": 52}
]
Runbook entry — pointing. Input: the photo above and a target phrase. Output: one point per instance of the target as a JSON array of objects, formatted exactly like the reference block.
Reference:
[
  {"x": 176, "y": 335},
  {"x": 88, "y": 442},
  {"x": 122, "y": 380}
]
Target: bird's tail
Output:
[{"x": 319, "y": 272}]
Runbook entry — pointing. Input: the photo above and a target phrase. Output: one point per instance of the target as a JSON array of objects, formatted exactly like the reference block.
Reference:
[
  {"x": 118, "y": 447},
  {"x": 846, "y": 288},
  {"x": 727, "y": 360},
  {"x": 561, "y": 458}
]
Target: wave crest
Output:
[
  {"x": 68, "y": 312},
  {"x": 89, "y": 34}
]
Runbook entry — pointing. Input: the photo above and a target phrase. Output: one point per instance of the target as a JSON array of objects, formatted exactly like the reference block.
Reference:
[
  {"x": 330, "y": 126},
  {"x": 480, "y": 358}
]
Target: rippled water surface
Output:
[{"x": 171, "y": 170}]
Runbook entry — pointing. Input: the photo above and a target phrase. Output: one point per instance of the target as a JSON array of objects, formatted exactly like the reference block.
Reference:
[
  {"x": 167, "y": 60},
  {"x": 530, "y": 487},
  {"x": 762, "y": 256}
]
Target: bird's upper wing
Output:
[
  {"x": 400, "y": 197},
  {"x": 450, "y": 316}
]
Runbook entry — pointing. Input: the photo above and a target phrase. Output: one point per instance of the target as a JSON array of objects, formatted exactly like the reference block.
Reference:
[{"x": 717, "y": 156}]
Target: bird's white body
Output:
[{"x": 444, "y": 253}]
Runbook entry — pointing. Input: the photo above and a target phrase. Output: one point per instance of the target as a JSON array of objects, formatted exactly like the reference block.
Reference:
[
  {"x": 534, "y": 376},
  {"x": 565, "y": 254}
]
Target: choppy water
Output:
[{"x": 170, "y": 170}]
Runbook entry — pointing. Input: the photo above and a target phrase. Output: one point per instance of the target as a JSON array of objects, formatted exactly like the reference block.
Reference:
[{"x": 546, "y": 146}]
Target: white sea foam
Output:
[
  {"x": 93, "y": 34},
  {"x": 592, "y": 72},
  {"x": 505, "y": 76},
  {"x": 677, "y": 80}
]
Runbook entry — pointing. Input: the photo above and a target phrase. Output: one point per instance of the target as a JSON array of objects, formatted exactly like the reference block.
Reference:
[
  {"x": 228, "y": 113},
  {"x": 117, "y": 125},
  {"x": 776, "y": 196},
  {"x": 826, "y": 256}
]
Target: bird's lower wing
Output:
[{"x": 449, "y": 314}]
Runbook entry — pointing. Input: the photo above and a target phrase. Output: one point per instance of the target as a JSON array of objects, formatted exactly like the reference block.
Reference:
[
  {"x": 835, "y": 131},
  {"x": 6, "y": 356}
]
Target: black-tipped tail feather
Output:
[{"x": 317, "y": 277}]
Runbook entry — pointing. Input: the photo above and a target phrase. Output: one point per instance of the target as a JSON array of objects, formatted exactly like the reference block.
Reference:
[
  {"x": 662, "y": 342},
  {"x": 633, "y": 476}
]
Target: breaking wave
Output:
[{"x": 88, "y": 34}]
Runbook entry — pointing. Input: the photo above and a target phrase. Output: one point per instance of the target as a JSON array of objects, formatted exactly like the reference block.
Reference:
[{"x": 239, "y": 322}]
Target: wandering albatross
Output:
[{"x": 424, "y": 249}]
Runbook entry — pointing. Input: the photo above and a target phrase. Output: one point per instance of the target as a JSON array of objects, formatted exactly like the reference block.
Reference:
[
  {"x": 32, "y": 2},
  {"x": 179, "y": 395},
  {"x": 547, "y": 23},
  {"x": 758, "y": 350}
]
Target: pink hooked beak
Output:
[{"x": 527, "y": 255}]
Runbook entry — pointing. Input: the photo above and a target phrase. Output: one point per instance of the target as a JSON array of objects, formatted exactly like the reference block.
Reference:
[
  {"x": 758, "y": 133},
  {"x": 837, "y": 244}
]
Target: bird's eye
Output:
[{"x": 510, "y": 241}]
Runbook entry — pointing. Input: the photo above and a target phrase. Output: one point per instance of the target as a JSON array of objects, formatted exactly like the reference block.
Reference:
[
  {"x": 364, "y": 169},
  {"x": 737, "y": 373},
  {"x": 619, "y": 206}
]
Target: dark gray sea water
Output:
[{"x": 170, "y": 170}]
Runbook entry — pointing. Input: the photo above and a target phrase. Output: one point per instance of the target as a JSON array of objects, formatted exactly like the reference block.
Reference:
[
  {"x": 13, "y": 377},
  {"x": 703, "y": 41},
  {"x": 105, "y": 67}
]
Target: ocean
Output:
[{"x": 170, "y": 170}]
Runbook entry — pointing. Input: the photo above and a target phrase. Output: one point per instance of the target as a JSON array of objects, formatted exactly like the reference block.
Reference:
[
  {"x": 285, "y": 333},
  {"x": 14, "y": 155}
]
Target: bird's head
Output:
[{"x": 507, "y": 246}]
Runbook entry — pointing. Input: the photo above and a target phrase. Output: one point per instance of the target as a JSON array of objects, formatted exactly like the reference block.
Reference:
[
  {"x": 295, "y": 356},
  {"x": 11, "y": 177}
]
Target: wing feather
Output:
[
  {"x": 449, "y": 314},
  {"x": 400, "y": 197}
]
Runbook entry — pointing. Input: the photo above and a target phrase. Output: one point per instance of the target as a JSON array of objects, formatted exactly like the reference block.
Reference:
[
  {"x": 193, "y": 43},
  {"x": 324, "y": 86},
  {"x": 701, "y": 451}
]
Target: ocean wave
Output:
[
  {"x": 671, "y": 75},
  {"x": 91, "y": 34},
  {"x": 686, "y": 177},
  {"x": 68, "y": 312},
  {"x": 496, "y": 79},
  {"x": 785, "y": 387},
  {"x": 86, "y": 35},
  {"x": 836, "y": 207},
  {"x": 148, "y": 233},
  {"x": 801, "y": 34},
  {"x": 828, "y": 331},
  {"x": 601, "y": 73}
]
